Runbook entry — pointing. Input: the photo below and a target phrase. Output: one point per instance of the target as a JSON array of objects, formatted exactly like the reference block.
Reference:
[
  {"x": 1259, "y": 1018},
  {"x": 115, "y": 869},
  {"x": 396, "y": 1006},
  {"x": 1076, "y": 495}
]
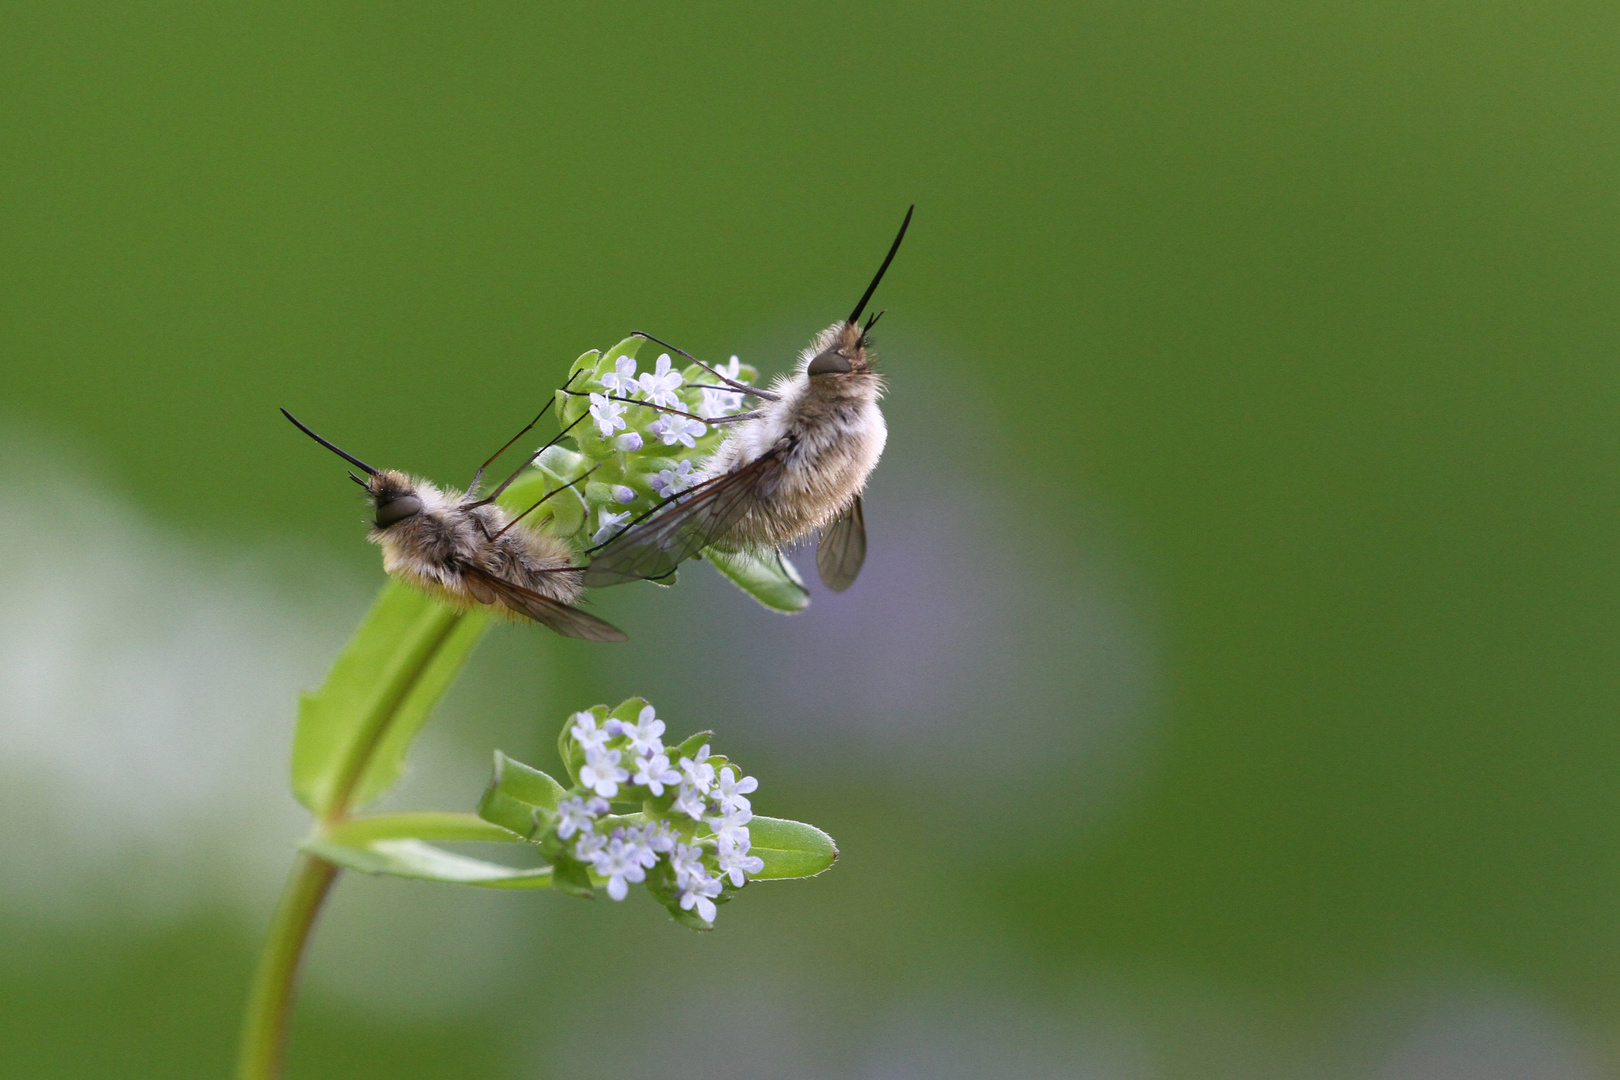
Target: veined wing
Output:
[
  {"x": 842, "y": 548},
  {"x": 684, "y": 525},
  {"x": 566, "y": 620}
]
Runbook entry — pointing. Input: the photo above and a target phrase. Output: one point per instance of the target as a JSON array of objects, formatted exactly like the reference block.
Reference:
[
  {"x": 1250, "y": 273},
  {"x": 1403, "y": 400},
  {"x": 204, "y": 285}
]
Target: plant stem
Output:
[
  {"x": 264, "y": 1029},
  {"x": 269, "y": 1008}
]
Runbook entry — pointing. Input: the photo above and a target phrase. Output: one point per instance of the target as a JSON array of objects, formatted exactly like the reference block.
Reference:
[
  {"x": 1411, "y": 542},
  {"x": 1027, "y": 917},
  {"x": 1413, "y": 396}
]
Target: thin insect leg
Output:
[
  {"x": 675, "y": 497},
  {"x": 732, "y": 419},
  {"x": 555, "y": 439},
  {"x": 733, "y": 383},
  {"x": 542, "y": 499},
  {"x": 646, "y": 405},
  {"x": 479, "y": 475},
  {"x": 781, "y": 566}
]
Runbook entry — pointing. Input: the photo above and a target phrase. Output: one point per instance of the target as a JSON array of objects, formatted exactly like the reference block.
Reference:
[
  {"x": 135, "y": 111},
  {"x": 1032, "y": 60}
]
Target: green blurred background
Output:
[{"x": 1233, "y": 688}]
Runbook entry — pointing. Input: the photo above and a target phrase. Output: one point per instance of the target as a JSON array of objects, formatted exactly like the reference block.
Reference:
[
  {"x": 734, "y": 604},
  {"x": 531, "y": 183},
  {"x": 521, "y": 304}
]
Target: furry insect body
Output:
[
  {"x": 472, "y": 553},
  {"x": 438, "y": 547},
  {"x": 796, "y": 464},
  {"x": 827, "y": 432}
]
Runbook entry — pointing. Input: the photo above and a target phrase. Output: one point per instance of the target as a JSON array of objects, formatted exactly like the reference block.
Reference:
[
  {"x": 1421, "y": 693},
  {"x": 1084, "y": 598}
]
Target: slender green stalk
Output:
[
  {"x": 269, "y": 1009},
  {"x": 264, "y": 1029}
]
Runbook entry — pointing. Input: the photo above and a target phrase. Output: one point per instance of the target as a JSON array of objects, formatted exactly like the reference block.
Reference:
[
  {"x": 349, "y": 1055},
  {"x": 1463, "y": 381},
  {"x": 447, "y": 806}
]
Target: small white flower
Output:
[
  {"x": 699, "y": 773},
  {"x": 659, "y": 836},
  {"x": 601, "y": 772},
  {"x": 587, "y": 734},
  {"x": 640, "y": 847},
  {"x": 607, "y": 523},
  {"x": 644, "y": 733},
  {"x": 660, "y": 384},
  {"x": 623, "y": 493},
  {"x": 691, "y": 800},
  {"x": 588, "y": 845},
  {"x": 698, "y": 892},
  {"x": 735, "y": 861},
  {"x": 686, "y": 861},
  {"x": 719, "y": 403},
  {"x": 629, "y": 442},
  {"x": 731, "y": 828},
  {"x": 669, "y": 481},
  {"x": 678, "y": 429},
  {"x": 622, "y": 379},
  {"x": 618, "y": 861},
  {"x": 731, "y": 369},
  {"x": 608, "y": 414},
  {"x": 729, "y": 791},
  {"x": 654, "y": 772},
  {"x": 576, "y": 814}
]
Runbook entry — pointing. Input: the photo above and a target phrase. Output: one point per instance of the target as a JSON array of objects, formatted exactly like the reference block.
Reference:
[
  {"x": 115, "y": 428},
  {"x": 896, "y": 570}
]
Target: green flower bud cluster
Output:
[
  {"x": 687, "y": 830},
  {"x": 640, "y": 437},
  {"x": 636, "y": 448}
]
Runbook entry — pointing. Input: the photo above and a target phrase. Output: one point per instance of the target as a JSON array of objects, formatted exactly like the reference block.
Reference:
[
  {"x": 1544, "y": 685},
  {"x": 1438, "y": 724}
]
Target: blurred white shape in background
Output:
[
  {"x": 1480, "y": 1035},
  {"x": 148, "y": 687},
  {"x": 147, "y": 691}
]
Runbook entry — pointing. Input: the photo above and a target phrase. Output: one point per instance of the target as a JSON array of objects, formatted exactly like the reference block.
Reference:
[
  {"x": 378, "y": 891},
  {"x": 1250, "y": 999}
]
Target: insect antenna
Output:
[
  {"x": 542, "y": 499},
  {"x": 344, "y": 454},
  {"x": 479, "y": 475},
  {"x": 855, "y": 315},
  {"x": 732, "y": 383},
  {"x": 871, "y": 322}
]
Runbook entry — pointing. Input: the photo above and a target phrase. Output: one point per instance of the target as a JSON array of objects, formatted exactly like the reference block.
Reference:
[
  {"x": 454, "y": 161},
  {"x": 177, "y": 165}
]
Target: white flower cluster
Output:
[
  {"x": 620, "y": 753},
  {"x": 660, "y": 386}
]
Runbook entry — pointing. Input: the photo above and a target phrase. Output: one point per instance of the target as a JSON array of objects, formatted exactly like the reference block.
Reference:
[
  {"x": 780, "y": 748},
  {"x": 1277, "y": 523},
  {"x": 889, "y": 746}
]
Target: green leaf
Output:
[
  {"x": 690, "y": 745},
  {"x": 790, "y": 849},
  {"x": 418, "y": 825},
  {"x": 355, "y": 731},
  {"x": 628, "y": 710},
  {"x": 515, "y": 793},
  {"x": 569, "y": 406},
  {"x": 409, "y": 857},
  {"x": 627, "y": 347},
  {"x": 771, "y": 580},
  {"x": 573, "y": 877}
]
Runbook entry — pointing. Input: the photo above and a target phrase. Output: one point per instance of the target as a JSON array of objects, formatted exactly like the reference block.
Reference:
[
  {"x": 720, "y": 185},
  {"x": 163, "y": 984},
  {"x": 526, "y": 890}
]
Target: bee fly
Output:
[
  {"x": 469, "y": 551},
  {"x": 796, "y": 463}
]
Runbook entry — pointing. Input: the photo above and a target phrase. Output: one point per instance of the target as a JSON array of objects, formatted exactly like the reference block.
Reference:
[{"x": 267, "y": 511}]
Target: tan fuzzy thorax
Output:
[{"x": 829, "y": 433}]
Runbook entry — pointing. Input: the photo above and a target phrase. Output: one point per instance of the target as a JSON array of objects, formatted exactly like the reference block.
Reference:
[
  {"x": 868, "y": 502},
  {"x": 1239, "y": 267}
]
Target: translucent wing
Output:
[
  {"x": 655, "y": 546},
  {"x": 568, "y": 621},
  {"x": 842, "y": 548}
]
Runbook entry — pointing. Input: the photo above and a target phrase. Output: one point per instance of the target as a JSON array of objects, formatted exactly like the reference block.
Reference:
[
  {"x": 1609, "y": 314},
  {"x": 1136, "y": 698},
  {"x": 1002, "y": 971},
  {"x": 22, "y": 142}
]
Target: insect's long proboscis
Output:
[
  {"x": 855, "y": 315},
  {"x": 344, "y": 454}
]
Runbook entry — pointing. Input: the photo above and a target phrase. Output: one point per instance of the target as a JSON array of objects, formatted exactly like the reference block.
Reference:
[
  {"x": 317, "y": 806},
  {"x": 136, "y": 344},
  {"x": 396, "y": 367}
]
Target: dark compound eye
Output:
[
  {"x": 831, "y": 362},
  {"x": 397, "y": 510}
]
